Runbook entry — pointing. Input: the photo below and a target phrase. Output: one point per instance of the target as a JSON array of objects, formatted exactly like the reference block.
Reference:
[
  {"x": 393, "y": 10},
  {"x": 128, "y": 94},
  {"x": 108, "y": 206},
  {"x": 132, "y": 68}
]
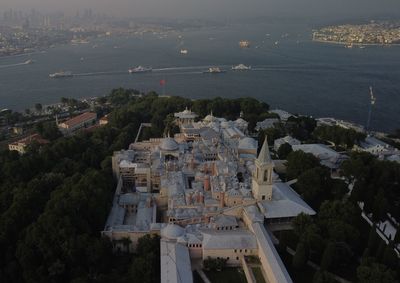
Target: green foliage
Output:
[
  {"x": 314, "y": 184},
  {"x": 299, "y": 162},
  {"x": 216, "y": 264},
  {"x": 48, "y": 130},
  {"x": 323, "y": 277},
  {"x": 284, "y": 150},
  {"x": 339, "y": 136},
  {"x": 371, "y": 272},
  {"x": 300, "y": 257},
  {"x": 377, "y": 184},
  {"x": 301, "y": 128}
]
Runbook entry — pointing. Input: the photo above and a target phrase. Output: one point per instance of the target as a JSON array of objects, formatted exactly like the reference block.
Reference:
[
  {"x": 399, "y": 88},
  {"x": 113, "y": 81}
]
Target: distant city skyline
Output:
[{"x": 213, "y": 9}]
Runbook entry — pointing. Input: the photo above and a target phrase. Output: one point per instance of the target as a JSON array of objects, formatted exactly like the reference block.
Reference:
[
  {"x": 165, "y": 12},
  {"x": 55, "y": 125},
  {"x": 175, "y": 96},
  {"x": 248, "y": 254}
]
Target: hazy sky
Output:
[{"x": 214, "y": 8}]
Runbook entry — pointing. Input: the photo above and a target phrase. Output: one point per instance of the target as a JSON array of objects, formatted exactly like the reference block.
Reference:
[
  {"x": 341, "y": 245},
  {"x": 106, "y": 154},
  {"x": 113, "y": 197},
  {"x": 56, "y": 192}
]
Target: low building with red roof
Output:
[{"x": 82, "y": 121}]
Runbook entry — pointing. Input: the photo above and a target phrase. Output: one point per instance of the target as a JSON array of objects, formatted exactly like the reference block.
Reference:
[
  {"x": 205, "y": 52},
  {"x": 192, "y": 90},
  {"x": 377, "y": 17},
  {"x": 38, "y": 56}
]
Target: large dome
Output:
[
  {"x": 247, "y": 143},
  {"x": 169, "y": 144},
  {"x": 172, "y": 231},
  {"x": 210, "y": 118}
]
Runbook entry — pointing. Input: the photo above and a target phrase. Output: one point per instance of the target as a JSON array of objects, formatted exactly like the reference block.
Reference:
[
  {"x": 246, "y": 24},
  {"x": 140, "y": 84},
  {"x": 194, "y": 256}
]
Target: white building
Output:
[
  {"x": 212, "y": 194},
  {"x": 288, "y": 139},
  {"x": 327, "y": 156}
]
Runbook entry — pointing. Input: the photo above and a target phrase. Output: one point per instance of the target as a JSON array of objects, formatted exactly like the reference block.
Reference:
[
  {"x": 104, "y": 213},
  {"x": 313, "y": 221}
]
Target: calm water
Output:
[{"x": 297, "y": 74}]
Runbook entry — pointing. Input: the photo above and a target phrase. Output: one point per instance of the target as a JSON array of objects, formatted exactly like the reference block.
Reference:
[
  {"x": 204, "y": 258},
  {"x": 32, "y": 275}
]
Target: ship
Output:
[
  {"x": 184, "y": 51},
  {"x": 79, "y": 41},
  {"x": 61, "y": 74},
  {"x": 244, "y": 44},
  {"x": 241, "y": 67},
  {"x": 214, "y": 70},
  {"x": 140, "y": 69}
]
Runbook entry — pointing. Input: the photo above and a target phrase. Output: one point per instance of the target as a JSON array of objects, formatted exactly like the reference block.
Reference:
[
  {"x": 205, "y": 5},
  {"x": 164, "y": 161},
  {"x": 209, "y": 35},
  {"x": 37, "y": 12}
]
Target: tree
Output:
[
  {"x": 38, "y": 107},
  {"x": 300, "y": 257},
  {"x": 371, "y": 272},
  {"x": 323, "y": 277},
  {"x": 314, "y": 184},
  {"x": 328, "y": 257},
  {"x": 301, "y": 223},
  {"x": 390, "y": 258},
  {"x": 299, "y": 162},
  {"x": 284, "y": 150}
]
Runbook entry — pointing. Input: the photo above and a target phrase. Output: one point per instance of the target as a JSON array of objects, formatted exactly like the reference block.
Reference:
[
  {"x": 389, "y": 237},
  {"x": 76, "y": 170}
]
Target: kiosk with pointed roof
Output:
[{"x": 262, "y": 177}]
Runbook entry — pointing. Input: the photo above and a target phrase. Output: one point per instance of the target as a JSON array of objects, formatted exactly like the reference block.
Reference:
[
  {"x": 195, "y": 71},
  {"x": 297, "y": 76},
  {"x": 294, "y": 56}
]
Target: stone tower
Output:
[{"x": 262, "y": 177}]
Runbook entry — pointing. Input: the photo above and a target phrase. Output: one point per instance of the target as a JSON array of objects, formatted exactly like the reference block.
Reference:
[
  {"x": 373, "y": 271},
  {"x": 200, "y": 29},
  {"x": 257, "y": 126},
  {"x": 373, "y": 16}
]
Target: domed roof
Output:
[
  {"x": 225, "y": 124},
  {"x": 241, "y": 121},
  {"x": 169, "y": 144},
  {"x": 247, "y": 143},
  {"x": 172, "y": 231}
]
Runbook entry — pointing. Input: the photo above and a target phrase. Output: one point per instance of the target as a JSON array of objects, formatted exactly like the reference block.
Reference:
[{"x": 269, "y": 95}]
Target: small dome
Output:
[
  {"x": 241, "y": 121},
  {"x": 169, "y": 144},
  {"x": 247, "y": 143},
  {"x": 172, "y": 231},
  {"x": 209, "y": 118},
  {"x": 225, "y": 124}
]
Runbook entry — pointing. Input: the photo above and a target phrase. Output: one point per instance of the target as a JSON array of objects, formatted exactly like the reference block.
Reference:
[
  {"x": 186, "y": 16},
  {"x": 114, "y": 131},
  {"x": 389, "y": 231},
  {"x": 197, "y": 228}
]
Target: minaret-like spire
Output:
[{"x": 264, "y": 156}]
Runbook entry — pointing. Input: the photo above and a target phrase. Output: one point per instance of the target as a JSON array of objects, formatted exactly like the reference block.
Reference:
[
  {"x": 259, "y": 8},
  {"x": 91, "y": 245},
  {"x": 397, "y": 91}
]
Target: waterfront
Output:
[{"x": 296, "y": 74}]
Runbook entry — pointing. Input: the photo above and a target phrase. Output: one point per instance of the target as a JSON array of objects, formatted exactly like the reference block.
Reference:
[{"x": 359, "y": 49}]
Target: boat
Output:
[
  {"x": 361, "y": 47},
  {"x": 241, "y": 67},
  {"x": 28, "y": 62},
  {"x": 184, "y": 51},
  {"x": 140, "y": 69},
  {"x": 214, "y": 70},
  {"x": 244, "y": 44},
  {"x": 79, "y": 41},
  {"x": 349, "y": 45},
  {"x": 61, "y": 74}
]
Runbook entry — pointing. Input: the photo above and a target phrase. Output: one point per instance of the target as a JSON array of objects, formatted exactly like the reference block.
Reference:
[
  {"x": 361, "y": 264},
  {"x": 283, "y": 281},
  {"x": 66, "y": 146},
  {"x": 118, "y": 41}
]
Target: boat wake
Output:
[{"x": 14, "y": 65}]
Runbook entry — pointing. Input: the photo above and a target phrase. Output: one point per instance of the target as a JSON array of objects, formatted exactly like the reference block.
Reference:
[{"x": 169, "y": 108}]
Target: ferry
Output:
[
  {"x": 140, "y": 69},
  {"x": 79, "y": 41},
  {"x": 184, "y": 51},
  {"x": 244, "y": 44},
  {"x": 214, "y": 70},
  {"x": 241, "y": 67},
  {"x": 61, "y": 74}
]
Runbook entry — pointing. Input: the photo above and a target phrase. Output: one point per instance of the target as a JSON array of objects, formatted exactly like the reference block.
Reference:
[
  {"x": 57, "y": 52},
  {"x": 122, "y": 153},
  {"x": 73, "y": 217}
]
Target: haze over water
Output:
[{"x": 296, "y": 75}]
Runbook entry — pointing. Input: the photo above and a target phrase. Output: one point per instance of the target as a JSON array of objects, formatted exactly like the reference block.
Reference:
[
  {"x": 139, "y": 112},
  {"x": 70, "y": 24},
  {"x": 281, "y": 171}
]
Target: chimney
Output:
[
  {"x": 206, "y": 183},
  {"x": 201, "y": 198},
  {"x": 221, "y": 199}
]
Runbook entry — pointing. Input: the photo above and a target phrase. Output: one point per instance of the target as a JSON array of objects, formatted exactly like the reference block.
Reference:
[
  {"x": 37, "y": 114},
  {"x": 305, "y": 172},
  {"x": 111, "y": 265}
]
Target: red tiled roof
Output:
[
  {"x": 35, "y": 137},
  {"x": 80, "y": 119}
]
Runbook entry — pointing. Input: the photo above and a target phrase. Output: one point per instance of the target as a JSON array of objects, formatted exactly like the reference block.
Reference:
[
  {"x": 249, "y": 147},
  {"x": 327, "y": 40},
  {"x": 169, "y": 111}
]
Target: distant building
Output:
[
  {"x": 82, "y": 121},
  {"x": 327, "y": 156},
  {"x": 21, "y": 144},
  {"x": 266, "y": 124},
  {"x": 340, "y": 123},
  {"x": 283, "y": 115},
  {"x": 376, "y": 147},
  {"x": 288, "y": 139},
  {"x": 185, "y": 117}
]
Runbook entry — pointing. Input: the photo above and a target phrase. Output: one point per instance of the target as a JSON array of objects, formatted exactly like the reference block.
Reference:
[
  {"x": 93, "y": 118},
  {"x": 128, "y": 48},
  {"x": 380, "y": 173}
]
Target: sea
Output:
[{"x": 289, "y": 71}]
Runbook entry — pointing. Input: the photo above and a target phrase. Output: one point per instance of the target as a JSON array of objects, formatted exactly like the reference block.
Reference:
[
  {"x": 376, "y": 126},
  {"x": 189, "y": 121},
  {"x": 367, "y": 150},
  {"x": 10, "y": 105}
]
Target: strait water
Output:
[{"x": 297, "y": 75}]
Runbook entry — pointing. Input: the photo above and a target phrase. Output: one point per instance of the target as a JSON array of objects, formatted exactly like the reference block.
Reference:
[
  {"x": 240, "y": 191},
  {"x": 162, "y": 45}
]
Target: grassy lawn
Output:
[
  {"x": 258, "y": 275},
  {"x": 228, "y": 275}
]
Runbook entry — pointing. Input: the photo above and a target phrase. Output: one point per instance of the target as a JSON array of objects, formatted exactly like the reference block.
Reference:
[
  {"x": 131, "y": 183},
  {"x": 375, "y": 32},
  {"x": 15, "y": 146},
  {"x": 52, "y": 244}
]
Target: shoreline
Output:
[{"x": 353, "y": 43}]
